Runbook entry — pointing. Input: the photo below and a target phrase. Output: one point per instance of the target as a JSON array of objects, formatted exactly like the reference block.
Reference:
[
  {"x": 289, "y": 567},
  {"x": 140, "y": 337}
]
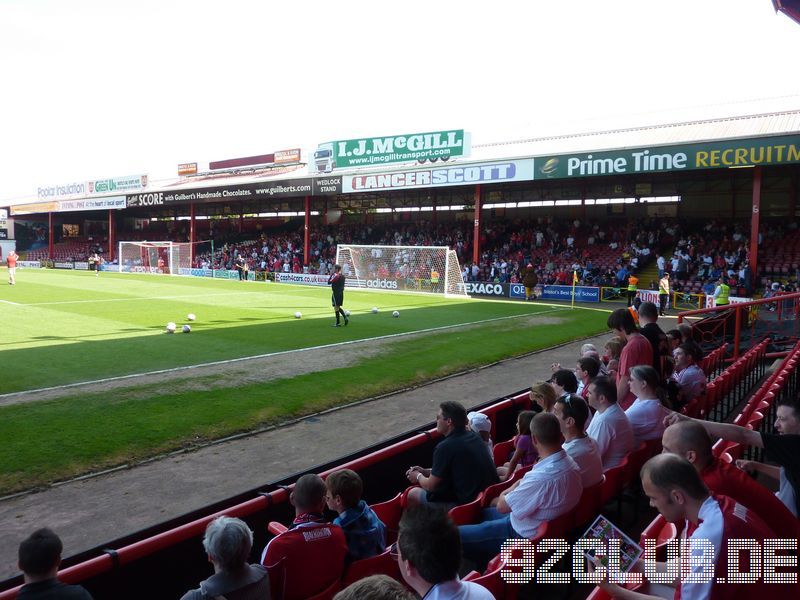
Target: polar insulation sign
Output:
[{"x": 366, "y": 152}]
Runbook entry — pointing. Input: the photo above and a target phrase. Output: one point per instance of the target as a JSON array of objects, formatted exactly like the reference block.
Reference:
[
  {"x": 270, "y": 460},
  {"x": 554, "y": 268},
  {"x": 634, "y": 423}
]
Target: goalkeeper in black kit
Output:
[{"x": 336, "y": 281}]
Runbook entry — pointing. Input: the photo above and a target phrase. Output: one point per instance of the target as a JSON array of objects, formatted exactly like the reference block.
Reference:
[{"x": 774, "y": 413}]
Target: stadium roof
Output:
[
  {"x": 747, "y": 126},
  {"x": 791, "y": 8}
]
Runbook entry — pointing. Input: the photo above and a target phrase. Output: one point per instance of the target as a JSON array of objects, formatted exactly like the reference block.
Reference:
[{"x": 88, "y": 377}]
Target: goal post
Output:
[
  {"x": 161, "y": 258},
  {"x": 427, "y": 269}
]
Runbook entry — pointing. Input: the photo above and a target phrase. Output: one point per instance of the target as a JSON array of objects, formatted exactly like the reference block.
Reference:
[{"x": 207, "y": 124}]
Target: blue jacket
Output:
[{"x": 365, "y": 532}]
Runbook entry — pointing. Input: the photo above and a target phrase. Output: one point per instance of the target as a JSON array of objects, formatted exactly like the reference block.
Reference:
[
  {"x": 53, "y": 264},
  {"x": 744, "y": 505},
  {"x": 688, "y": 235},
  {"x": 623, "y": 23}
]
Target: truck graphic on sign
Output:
[{"x": 323, "y": 158}]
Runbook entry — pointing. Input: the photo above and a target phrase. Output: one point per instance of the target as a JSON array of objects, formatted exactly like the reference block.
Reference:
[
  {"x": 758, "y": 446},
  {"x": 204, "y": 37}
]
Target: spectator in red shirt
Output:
[
  {"x": 691, "y": 441},
  {"x": 637, "y": 351}
]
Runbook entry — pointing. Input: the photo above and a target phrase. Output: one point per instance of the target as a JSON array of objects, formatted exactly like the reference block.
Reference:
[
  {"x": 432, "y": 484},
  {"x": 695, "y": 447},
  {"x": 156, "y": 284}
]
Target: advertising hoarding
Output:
[
  {"x": 684, "y": 157},
  {"x": 441, "y": 176},
  {"x": 376, "y": 151}
]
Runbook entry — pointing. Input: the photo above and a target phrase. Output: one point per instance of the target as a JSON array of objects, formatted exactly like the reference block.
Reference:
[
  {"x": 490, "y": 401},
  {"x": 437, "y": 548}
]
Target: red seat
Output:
[
  {"x": 493, "y": 581},
  {"x": 390, "y": 513},
  {"x": 382, "y": 564},
  {"x": 613, "y": 482},
  {"x": 502, "y": 452},
  {"x": 662, "y": 532},
  {"x": 561, "y": 526},
  {"x": 589, "y": 505},
  {"x": 287, "y": 558},
  {"x": 493, "y": 491},
  {"x": 466, "y": 514}
]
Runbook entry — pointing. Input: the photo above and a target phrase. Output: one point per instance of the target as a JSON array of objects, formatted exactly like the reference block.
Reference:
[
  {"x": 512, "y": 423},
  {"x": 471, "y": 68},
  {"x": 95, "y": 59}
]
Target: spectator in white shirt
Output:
[
  {"x": 609, "y": 428},
  {"x": 429, "y": 554},
  {"x": 587, "y": 369},
  {"x": 572, "y": 412},
  {"x": 552, "y": 488},
  {"x": 647, "y": 412}
]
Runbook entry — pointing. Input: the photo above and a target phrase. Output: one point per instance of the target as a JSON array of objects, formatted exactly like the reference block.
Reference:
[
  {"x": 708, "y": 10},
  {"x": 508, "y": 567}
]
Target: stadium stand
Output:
[{"x": 733, "y": 371}]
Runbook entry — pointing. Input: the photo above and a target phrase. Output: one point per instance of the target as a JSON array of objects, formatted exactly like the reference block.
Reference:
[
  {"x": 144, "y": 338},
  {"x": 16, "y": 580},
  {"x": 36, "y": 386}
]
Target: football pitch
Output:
[{"x": 64, "y": 328}]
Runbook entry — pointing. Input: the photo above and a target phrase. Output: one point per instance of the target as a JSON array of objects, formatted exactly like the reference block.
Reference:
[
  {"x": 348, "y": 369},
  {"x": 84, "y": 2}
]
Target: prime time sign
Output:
[{"x": 659, "y": 159}]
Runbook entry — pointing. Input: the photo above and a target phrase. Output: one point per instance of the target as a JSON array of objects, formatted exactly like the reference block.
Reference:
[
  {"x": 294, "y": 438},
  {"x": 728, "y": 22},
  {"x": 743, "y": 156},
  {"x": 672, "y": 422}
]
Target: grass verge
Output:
[{"x": 58, "y": 439}]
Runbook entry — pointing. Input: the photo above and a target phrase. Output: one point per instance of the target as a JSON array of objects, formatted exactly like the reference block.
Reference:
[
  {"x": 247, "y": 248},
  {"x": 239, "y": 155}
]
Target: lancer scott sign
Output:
[
  {"x": 364, "y": 152},
  {"x": 686, "y": 157},
  {"x": 494, "y": 172}
]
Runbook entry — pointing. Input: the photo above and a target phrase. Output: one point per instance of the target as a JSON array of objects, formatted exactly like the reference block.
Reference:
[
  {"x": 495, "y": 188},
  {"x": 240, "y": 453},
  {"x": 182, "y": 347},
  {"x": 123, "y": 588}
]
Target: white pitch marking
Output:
[
  {"x": 190, "y": 296},
  {"x": 269, "y": 355},
  {"x": 12, "y": 303}
]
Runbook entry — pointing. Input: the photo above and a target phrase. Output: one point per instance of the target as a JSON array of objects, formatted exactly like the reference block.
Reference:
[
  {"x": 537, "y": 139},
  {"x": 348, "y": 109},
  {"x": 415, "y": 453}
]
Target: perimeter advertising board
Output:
[
  {"x": 454, "y": 175},
  {"x": 725, "y": 154},
  {"x": 560, "y": 292},
  {"x": 487, "y": 289},
  {"x": 267, "y": 189},
  {"x": 376, "y": 151},
  {"x": 302, "y": 278}
]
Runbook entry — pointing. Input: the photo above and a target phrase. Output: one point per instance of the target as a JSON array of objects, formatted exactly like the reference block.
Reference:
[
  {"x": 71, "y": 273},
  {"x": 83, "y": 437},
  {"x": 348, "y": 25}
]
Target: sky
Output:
[{"x": 96, "y": 89}]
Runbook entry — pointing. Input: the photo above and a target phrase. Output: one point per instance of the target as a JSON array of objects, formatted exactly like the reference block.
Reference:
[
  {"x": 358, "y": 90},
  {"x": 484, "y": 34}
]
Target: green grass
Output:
[{"x": 113, "y": 325}]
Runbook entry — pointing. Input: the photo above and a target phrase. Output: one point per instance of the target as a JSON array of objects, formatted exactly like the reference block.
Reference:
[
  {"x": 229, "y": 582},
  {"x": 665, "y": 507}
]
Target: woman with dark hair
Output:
[{"x": 647, "y": 412}]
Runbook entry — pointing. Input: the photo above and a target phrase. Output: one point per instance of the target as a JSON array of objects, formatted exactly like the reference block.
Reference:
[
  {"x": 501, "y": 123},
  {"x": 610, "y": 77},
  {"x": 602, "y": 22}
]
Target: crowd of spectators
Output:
[{"x": 695, "y": 255}]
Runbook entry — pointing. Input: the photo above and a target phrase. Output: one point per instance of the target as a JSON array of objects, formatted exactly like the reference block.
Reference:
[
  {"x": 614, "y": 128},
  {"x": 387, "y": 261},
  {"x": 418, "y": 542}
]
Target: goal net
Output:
[
  {"x": 154, "y": 257},
  {"x": 431, "y": 269}
]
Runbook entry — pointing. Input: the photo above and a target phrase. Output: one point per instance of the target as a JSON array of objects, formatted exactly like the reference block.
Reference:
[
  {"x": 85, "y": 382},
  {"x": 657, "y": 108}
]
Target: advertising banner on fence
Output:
[
  {"x": 648, "y": 296},
  {"x": 218, "y": 274},
  {"x": 63, "y": 265},
  {"x": 248, "y": 191},
  {"x": 488, "y": 288},
  {"x": 685, "y": 157},
  {"x": 733, "y": 300},
  {"x": 494, "y": 172},
  {"x": 29, "y": 264},
  {"x": 560, "y": 292},
  {"x": 112, "y": 202},
  {"x": 368, "y": 152},
  {"x": 301, "y": 278}
]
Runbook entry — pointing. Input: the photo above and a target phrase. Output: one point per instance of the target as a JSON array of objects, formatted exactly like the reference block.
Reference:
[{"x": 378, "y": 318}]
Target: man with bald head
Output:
[
  {"x": 691, "y": 441},
  {"x": 676, "y": 490}
]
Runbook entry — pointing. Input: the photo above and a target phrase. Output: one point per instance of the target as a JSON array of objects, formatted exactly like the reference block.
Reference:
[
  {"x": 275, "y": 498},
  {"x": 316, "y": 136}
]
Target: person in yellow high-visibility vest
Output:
[
  {"x": 434, "y": 279},
  {"x": 722, "y": 293},
  {"x": 633, "y": 284},
  {"x": 663, "y": 294}
]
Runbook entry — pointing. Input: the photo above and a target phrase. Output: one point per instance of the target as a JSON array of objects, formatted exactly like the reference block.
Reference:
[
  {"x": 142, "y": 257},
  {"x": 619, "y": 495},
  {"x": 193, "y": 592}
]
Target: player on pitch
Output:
[
  {"x": 11, "y": 261},
  {"x": 336, "y": 281}
]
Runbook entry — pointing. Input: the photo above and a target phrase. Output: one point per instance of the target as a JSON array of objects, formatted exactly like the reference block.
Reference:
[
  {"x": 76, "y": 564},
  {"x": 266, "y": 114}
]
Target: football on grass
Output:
[
  {"x": 170, "y": 327},
  {"x": 347, "y": 313},
  {"x": 298, "y": 314},
  {"x": 190, "y": 317},
  {"x": 187, "y": 328},
  {"x": 396, "y": 314},
  {"x": 374, "y": 309}
]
